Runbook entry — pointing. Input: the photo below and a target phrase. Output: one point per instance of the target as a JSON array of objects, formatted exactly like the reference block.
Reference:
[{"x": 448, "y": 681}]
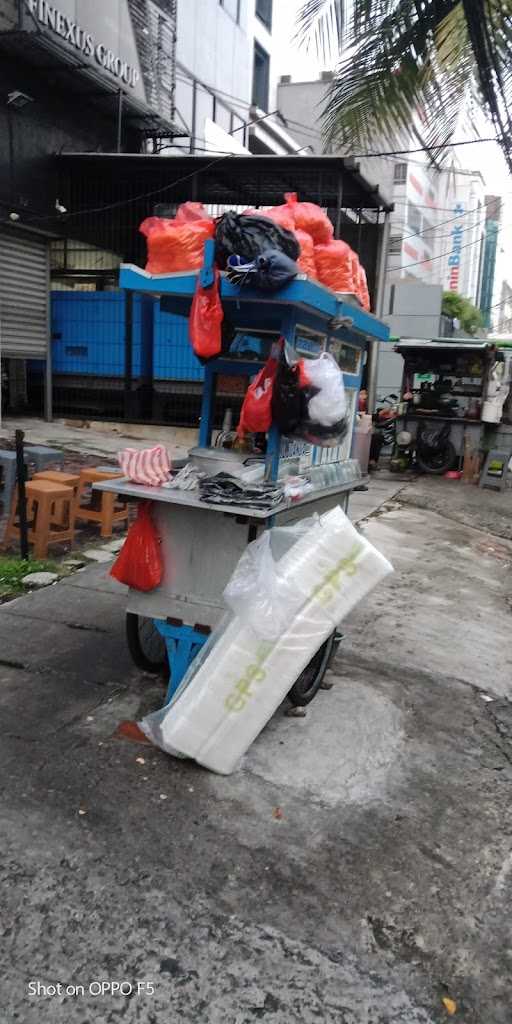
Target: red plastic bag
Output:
[
  {"x": 174, "y": 245},
  {"x": 311, "y": 218},
  {"x": 191, "y": 212},
  {"x": 206, "y": 316},
  {"x": 139, "y": 562},
  {"x": 334, "y": 266},
  {"x": 256, "y": 414},
  {"x": 306, "y": 260}
]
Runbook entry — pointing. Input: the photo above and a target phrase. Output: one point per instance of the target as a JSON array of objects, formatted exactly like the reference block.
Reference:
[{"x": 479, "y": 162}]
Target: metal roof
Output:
[
  {"x": 444, "y": 344},
  {"x": 330, "y": 181}
]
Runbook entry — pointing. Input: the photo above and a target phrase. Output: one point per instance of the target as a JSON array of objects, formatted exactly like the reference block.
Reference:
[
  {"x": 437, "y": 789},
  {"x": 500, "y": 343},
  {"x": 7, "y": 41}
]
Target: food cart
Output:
[
  {"x": 445, "y": 381},
  {"x": 202, "y": 543}
]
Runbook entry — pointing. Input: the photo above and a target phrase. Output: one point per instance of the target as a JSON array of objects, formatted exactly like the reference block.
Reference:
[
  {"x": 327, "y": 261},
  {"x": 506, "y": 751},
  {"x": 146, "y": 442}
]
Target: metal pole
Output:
[
  {"x": 373, "y": 355},
  {"x": 193, "y": 127},
  {"x": 119, "y": 119},
  {"x": 339, "y": 201},
  {"x": 22, "y": 498},
  {"x": 128, "y": 367},
  {"x": 48, "y": 389}
]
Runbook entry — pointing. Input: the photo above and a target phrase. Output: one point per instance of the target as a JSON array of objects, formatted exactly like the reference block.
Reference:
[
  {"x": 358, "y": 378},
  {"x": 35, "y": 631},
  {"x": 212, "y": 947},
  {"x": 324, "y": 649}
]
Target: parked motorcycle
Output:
[{"x": 434, "y": 451}]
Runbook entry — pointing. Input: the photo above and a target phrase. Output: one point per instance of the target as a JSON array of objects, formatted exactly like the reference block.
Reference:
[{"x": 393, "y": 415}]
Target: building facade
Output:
[
  {"x": 226, "y": 83},
  {"x": 74, "y": 77}
]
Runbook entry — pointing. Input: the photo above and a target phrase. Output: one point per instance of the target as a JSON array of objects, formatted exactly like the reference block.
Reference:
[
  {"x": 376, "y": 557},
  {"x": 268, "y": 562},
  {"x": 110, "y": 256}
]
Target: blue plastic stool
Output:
[{"x": 183, "y": 643}]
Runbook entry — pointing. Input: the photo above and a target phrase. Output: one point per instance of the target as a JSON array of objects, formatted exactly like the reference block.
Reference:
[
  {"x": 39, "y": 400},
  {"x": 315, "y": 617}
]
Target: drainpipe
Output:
[{"x": 373, "y": 355}]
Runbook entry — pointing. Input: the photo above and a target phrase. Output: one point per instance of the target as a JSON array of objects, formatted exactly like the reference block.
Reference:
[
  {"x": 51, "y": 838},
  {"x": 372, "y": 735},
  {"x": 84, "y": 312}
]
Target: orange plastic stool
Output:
[
  {"x": 105, "y": 509},
  {"x": 57, "y": 476},
  {"x": 42, "y": 496}
]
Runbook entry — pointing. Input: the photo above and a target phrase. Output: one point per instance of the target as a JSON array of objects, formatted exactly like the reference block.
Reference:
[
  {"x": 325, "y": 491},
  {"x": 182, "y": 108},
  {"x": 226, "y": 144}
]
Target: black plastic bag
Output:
[
  {"x": 248, "y": 236},
  {"x": 288, "y": 401},
  {"x": 269, "y": 272}
]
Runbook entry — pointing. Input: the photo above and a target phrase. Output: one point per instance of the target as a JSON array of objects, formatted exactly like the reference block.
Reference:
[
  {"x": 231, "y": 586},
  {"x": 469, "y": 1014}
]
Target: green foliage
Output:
[
  {"x": 457, "y": 307},
  {"x": 412, "y": 66},
  {"x": 12, "y": 571}
]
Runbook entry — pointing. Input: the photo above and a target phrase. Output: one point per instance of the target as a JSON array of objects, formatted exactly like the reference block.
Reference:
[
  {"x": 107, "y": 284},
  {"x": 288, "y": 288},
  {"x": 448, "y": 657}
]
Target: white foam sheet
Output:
[{"x": 243, "y": 679}]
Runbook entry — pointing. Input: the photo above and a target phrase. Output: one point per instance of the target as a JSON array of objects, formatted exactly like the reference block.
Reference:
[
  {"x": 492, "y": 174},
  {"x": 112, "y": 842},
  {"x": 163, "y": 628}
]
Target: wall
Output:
[
  {"x": 304, "y": 102},
  {"x": 214, "y": 48}
]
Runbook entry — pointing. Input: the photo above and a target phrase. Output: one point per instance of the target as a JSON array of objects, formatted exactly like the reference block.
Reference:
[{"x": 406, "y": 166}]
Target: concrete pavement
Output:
[{"x": 380, "y": 886}]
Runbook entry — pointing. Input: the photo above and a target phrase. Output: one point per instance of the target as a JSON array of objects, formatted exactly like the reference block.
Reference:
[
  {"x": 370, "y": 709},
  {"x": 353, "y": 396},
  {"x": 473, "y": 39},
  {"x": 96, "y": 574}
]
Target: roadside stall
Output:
[
  {"x": 447, "y": 395},
  {"x": 281, "y": 480}
]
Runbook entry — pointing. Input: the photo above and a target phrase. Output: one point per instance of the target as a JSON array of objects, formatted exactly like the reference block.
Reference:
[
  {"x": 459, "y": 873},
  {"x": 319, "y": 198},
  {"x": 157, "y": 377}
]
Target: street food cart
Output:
[
  {"x": 202, "y": 543},
  {"x": 445, "y": 381}
]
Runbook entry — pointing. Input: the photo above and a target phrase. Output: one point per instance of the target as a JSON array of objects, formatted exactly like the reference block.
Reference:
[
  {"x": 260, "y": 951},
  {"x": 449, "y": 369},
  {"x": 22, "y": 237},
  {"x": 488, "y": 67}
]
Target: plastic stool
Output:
[
  {"x": 104, "y": 509},
  {"x": 67, "y": 480},
  {"x": 496, "y": 471},
  {"x": 42, "y": 496}
]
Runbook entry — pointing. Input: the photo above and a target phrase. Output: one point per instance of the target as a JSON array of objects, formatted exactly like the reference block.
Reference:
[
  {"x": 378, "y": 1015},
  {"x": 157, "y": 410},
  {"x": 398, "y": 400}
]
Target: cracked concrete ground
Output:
[{"x": 381, "y": 885}]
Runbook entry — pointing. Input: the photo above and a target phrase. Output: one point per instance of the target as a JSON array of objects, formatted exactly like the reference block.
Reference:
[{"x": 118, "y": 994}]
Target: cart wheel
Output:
[
  {"x": 310, "y": 680},
  {"x": 145, "y": 644}
]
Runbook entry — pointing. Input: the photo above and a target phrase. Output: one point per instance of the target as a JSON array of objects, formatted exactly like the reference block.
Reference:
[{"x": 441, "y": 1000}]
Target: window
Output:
[
  {"x": 400, "y": 174},
  {"x": 413, "y": 217},
  {"x": 260, "y": 77},
  {"x": 264, "y": 12},
  {"x": 232, "y": 7},
  {"x": 395, "y": 245}
]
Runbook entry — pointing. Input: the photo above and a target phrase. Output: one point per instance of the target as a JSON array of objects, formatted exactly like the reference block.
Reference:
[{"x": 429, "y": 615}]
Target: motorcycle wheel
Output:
[{"x": 437, "y": 462}]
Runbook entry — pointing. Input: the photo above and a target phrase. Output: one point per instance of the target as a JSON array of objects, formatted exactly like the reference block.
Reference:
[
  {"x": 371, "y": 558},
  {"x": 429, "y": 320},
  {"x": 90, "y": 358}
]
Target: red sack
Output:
[
  {"x": 206, "y": 316},
  {"x": 188, "y": 212},
  {"x": 174, "y": 245},
  {"x": 279, "y": 214},
  {"x": 306, "y": 260},
  {"x": 139, "y": 562},
  {"x": 356, "y": 266},
  {"x": 334, "y": 266},
  {"x": 256, "y": 413},
  {"x": 311, "y": 218},
  {"x": 363, "y": 292}
]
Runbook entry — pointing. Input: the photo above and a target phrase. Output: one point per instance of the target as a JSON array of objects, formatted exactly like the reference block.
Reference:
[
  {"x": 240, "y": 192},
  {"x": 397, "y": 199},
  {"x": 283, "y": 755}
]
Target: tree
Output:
[
  {"x": 457, "y": 307},
  {"x": 406, "y": 63}
]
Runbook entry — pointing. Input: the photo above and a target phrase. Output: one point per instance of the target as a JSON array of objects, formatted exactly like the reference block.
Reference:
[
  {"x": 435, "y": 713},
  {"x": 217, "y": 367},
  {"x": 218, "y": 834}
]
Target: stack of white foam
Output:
[{"x": 243, "y": 679}]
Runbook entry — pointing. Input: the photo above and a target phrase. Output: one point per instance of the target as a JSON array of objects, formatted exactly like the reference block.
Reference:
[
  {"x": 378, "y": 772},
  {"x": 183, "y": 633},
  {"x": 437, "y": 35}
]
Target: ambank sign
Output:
[
  {"x": 71, "y": 32},
  {"x": 457, "y": 234}
]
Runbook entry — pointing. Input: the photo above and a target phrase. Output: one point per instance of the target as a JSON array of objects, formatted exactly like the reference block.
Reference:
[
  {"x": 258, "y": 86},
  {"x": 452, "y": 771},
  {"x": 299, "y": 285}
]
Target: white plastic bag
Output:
[
  {"x": 329, "y": 406},
  {"x": 260, "y": 592}
]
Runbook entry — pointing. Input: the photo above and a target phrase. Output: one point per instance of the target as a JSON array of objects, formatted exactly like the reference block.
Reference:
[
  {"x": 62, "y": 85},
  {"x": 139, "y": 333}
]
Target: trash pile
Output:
[
  {"x": 290, "y": 590},
  {"x": 264, "y": 248}
]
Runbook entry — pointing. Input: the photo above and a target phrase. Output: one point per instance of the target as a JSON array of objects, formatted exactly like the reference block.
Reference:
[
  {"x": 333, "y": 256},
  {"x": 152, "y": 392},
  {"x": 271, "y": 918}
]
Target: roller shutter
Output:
[{"x": 24, "y": 283}]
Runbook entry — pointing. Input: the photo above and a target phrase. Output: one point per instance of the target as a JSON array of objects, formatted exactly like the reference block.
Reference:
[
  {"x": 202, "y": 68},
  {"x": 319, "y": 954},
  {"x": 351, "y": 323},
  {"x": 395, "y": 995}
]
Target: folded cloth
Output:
[
  {"x": 223, "y": 489},
  {"x": 150, "y": 466}
]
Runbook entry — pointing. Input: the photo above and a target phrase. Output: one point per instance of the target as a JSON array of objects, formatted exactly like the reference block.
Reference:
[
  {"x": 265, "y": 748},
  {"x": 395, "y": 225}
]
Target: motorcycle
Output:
[{"x": 434, "y": 452}]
